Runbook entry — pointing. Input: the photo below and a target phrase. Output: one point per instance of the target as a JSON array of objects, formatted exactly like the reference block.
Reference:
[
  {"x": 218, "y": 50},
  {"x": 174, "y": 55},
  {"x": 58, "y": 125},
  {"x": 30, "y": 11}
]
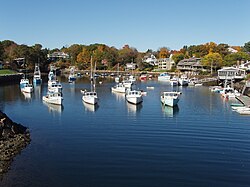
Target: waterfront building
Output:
[
  {"x": 130, "y": 66},
  {"x": 245, "y": 66},
  {"x": 165, "y": 63},
  {"x": 231, "y": 73},
  {"x": 191, "y": 64},
  {"x": 57, "y": 55},
  {"x": 150, "y": 59}
]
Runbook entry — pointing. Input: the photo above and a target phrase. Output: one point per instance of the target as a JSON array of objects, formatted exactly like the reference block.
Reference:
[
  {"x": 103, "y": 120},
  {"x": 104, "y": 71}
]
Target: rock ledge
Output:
[{"x": 13, "y": 138}]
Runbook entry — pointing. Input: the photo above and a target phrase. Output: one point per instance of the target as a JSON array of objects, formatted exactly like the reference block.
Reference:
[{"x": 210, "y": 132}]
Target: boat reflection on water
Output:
[
  {"x": 133, "y": 109},
  {"x": 90, "y": 107},
  {"x": 170, "y": 111},
  {"x": 54, "y": 108},
  {"x": 119, "y": 96},
  {"x": 37, "y": 90},
  {"x": 27, "y": 96}
]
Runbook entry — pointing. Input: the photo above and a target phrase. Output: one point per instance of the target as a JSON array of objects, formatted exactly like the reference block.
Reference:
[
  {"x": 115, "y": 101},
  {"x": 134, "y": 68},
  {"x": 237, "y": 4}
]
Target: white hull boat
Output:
[
  {"x": 28, "y": 88},
  {"x": 134, "y": 96},
  {"x": 37, "y": 75},
  {"x": 54, "y": 86},
  {"x": 23, "y": 82},
  {"x": 164, "y": 77},
  {"x": 53, "y": 98},
  {"x": 170, "y": 98},
  {"x": 90, "y": 97},
  {"x": 120, "y": 88}
]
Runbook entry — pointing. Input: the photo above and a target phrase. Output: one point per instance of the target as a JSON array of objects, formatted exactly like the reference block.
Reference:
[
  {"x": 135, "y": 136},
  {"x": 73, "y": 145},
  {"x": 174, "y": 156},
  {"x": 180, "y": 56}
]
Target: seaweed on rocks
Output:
[{"x": 13, "y": 139}]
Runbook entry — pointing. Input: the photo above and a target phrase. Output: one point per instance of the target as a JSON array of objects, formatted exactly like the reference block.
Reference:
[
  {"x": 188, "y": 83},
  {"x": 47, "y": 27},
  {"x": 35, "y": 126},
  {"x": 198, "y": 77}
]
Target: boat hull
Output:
[
  {"x": 134, "y": 100},
  {"x": 170, "y": 101},
  {"x": 119, "y": 89},
  {"x": 53, "y": 100},
  {"x": 90, "y": 99},
  {"x": 170, "y": 98}
]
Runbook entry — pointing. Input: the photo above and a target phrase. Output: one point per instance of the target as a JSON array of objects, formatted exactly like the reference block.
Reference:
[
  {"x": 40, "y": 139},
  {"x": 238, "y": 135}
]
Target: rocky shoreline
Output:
[{"x": 13, "y": 139}]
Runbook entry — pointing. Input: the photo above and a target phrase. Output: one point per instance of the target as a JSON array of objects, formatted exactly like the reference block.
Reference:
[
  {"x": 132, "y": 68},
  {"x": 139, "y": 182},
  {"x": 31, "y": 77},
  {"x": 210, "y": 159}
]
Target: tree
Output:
[
  {"x": 127, "y": 55},
  {"x": 164, "y": 52},
  {"x": 213, "y": 60},
  {"x": 234, "y": 58},
  {"x": 222, "y": 49},
  {"x": 83, "y": 59},
  {"x": 178, "y": 57},
  {"x": 1, "y": 51},
  {"x": 247, "y": 47}
]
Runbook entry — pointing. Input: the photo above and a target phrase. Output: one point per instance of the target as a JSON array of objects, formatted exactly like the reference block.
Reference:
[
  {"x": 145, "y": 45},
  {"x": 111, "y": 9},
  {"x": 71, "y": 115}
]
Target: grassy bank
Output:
[{"x": 7, "y": 72}]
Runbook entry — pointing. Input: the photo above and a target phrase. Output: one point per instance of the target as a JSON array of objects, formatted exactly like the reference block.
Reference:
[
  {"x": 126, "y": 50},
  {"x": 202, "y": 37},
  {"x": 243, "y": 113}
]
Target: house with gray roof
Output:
[{"x": 191, "y": 64}]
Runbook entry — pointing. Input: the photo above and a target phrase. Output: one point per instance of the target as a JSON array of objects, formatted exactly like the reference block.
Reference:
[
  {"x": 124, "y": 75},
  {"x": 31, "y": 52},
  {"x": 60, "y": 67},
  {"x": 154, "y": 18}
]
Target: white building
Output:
[
  {"x": 232, "y": 50},
  {"x": 229, "y": 73},
  {"x": 165, "y": 63},
  {"x": 151, "y": 60},
  {"x": 130, "y": 66},
  {"x": 245, "y": 66},
  {"x": 57, "y": 55}
]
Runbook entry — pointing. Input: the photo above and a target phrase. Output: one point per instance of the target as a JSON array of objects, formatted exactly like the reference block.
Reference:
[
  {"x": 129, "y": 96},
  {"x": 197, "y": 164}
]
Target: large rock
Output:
[{"x": 13, "y": 138}]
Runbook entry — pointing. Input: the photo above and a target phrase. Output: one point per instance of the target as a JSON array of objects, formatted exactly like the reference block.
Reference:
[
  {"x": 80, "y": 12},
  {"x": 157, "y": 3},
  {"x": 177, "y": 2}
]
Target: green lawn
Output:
[{"x": 6, "y": 72}]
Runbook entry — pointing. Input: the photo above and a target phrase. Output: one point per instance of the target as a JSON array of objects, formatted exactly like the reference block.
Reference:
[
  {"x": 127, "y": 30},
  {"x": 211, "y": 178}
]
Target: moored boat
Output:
[
  {"x": 72, "y": 76},
  {"x": 27, "y": 88},
  {"x": 53, "y": 98},
  {"x": 37, "y": 75},
  {"x": 164, "y": 77},
  {"x": 23, "y": 82},
  {"x": 170, "y": 98},
  {"x": 134, "y": 96},
  {"x": 54, "y": 86},
  {"x": 119, "y": 88},
  {"x": 90, "y": 97}
]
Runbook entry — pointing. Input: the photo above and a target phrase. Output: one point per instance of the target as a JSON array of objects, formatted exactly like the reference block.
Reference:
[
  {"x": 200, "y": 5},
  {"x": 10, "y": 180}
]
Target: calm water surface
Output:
[{"x": 202, "y": 142}]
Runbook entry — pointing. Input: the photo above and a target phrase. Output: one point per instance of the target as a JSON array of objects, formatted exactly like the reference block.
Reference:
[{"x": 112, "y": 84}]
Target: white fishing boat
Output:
[
  {"x": 229, "y": 92},
  {"x": 183, "y": 80},
  {"x": 37, "y": 75},
  {"x": 120, "y": 88},
  {"x": 134, "y": 96},
  {"x": 54, "y": 86},
  {"x": 53, "y": 98},
  {"x": 23, "y": 82},
  {"x": 51, "y": 75},
  {"x": 128, "y": 83},
  {"x": 27, "y": 88},
  {"x": 164, "y": 77},
  {"x": 170, "y": 98},
  {"x": 91, "y": 97},
  {"x": 174, "y": 81},
  {"x": 72, "y": 75}
]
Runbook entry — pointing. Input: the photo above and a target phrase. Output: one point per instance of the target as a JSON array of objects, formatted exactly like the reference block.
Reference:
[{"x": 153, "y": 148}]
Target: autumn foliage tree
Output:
[{"x": 212, "y": 60}]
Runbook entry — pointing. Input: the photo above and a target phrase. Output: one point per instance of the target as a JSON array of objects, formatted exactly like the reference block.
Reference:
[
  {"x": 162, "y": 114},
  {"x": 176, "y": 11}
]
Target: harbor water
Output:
[{"x": 201, "y": 142}]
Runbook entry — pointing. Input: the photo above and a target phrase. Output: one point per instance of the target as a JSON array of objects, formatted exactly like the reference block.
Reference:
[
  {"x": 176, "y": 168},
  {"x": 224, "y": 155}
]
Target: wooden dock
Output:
[{"x": 244, "y": 100}]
